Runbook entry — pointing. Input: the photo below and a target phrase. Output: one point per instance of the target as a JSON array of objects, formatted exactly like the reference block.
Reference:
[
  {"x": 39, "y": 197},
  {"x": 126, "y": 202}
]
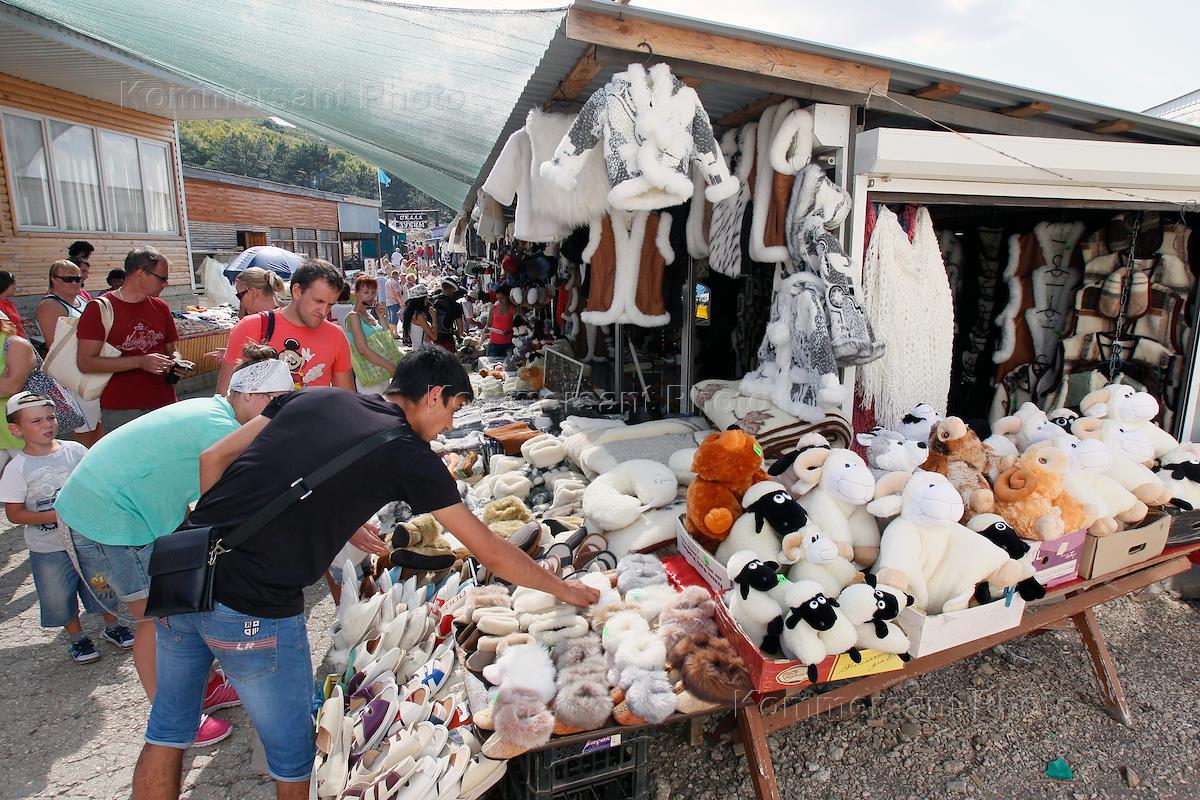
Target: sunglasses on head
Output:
[{"x": 70, "y": 278}]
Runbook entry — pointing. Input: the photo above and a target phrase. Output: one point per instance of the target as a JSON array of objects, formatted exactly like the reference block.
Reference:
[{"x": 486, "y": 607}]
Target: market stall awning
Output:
[{"x": 423, "y": 92}]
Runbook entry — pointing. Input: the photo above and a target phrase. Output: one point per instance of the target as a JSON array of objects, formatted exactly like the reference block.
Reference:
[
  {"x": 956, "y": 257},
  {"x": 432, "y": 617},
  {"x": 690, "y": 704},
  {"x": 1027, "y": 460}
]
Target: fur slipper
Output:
[
  {"x": 558, "y": 629},
  {"x": 525, "y": 666},
  {"x": 650, "y": 695},
  {"x": 498, "y": 465},
  {"x": 688, "y": 703},
  {"x": 584, "y": 704},
  {"x": 652, "y": 599},
  {"x": 599, "y": 614},
  {"x": 543, "y": 451},
  {"x": 712, "y": 670},
  {"x": 684, "y": 625},
  {"x": 637, "y": 570},
  {"x": 691, "y": 598},
  {"x": 532, "y": 601},
  {"x": 643, "y": 650},
  {"x": 577, "y": 651},
  {"x": 621, "y": 626},
  {"x": 511, "y": 484},
  {"x": 522, "y": 719}
]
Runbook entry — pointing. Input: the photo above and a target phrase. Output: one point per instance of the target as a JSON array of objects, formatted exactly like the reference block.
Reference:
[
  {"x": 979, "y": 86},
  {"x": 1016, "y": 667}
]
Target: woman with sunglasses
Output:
[
  {"x": 257, "y": 290},
  {"x": 64, "y": 301}
]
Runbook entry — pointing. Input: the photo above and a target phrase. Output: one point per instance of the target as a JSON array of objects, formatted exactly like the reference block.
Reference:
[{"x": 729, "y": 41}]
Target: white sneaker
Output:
[
  {"x": 421, "y": 783},
  {"x": 455, "y": 767},
  {"x": 436, "y": 671},
  {"x": 392, "y": 633},
  {"x": 482, "y": 774}
]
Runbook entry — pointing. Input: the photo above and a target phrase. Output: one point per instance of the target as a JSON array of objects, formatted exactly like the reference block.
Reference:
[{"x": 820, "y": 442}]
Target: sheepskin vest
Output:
[
  {"x": 653, "y": 127},
  {"x": 627, "y": 255}
]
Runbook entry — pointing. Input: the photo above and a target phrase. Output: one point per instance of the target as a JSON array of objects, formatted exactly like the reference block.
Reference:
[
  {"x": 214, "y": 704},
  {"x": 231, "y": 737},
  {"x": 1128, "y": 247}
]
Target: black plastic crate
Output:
[
  {"x": 598, "y": 769},
  {"x": 1185, "y": 527}
]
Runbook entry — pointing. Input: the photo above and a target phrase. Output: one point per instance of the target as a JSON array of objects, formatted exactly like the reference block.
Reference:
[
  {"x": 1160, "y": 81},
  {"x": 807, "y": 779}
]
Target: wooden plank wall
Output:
[
  {"x": 28, "y": 254},
  {"x": 246, "y": 208}
]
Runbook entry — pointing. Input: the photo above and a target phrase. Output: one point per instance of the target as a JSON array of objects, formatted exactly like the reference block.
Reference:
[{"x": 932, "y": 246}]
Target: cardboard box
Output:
[
  {"x": 1105, "y": 554},
  {"x": 1058, "y": 561},
  {"x": 930, "y": 634},
  {"x": 705, "y": 563},
  {"x": 776, "y": 674}
]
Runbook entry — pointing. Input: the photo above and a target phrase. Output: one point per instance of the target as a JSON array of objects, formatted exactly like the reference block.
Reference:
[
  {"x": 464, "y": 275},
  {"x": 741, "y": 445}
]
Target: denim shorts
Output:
[
  {"x": 122, "y": 570},
  {"x": 267, "y": 661},
  {"x": 58, "y": 584},
  {"x": 393, "y": 313}
]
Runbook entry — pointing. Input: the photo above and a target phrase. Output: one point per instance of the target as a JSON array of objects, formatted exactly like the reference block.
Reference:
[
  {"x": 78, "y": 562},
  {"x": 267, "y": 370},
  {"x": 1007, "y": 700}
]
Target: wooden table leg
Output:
[
  {"x": 1105, "y": 669},
  {"x": 758, "y": 752}
]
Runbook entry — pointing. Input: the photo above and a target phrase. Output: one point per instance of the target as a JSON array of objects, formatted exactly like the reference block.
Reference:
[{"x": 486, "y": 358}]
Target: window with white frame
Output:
[{"x": 70, "y": 177}]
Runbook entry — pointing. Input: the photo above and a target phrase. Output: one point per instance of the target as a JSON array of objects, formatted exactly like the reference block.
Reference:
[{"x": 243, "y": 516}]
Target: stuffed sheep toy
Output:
[
  {"x": 917, "y": 424},
  {"x": 993, "y": 528},
  {"x": 1180, "y": 473},
  {"x": 617, "y": 498},
  {"x": 751, "y": 601},
  {"x": 1003, "y": 437},
  {"x": 888, "y": 451},
  {"x": 813, "y": 629},
  {"x": 870, "y": 606},
  {"x": 1033, "y": 498},
  {"x": 770, "y": 515},
  {"x": 1135, "y": 410},
  {"x": 1131, "y": 451},
  {"x": 927, "y": 553},
  {"x": 1087, "y": 462},
  {"x": 834, "y": 486}
]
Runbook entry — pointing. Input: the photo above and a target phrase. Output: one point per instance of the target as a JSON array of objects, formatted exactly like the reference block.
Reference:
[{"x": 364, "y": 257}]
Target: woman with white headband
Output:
[{"x": 136, "y": 485}]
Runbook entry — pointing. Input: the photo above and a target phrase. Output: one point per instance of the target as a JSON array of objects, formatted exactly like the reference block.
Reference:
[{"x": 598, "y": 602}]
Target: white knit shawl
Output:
[{"x": 909, "y": 302}]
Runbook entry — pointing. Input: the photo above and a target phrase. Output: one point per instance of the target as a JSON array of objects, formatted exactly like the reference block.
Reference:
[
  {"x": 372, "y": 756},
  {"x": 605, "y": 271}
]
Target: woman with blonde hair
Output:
[
  {"x": 65, "y": 300},
  {"x": 257, "y": 290}
]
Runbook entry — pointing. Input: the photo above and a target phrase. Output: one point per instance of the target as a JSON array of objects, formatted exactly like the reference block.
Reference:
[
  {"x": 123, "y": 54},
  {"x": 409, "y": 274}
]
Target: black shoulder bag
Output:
[{"x": 183, "y": 563}]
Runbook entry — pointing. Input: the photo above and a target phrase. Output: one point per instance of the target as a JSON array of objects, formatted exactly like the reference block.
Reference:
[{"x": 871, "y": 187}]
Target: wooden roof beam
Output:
[
  {"x": 1110, "y": 126},
  {"x": 938, "y": 91},
  {"x": 724, "y": 51},
  {"x": 579, "y": 78},
  {"x": 750, "y": 111},
  {"x": 688, "y": 80},
  {"x": 1025, "y": 110}
]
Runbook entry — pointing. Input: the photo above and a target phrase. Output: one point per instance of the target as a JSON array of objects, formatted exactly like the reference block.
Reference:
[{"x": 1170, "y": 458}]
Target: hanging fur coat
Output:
[
  {"x": 818, "y": 208},
  {"x": 796, "y": 367},
  {"x": 627, "y": 253},
  {"x": 546, "y": 212},
  {"x": 489, "y": 217},
  {"x": 784, "y": 147},
  {"x": 725, "y": 233},
  {"x": 653, "y": 128}
]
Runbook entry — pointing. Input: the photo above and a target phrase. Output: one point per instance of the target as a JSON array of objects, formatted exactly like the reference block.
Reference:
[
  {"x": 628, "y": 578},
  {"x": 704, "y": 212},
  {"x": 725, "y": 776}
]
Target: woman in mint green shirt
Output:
[{"x": 136, "y": 483}]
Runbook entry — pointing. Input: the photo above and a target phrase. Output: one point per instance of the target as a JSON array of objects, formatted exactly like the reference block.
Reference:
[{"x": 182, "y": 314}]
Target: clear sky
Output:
[{"x": 1129, "y": 55}]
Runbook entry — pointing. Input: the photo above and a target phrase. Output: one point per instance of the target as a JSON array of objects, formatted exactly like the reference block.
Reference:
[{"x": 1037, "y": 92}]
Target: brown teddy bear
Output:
[
  {"x": 534, "y": 375},
  {"x": 956, "y": 452},
  {"x": 726, "y": 464},
  {"x": 1032, "y": 498}
]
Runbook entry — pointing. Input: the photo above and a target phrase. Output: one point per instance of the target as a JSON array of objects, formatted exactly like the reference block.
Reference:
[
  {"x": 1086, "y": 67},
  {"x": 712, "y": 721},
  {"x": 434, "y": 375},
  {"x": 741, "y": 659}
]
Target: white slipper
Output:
[
  {"x": 421, "y": 783},
  {"x": 455, "y": 767},
  {"x": 482, "y": 774}
]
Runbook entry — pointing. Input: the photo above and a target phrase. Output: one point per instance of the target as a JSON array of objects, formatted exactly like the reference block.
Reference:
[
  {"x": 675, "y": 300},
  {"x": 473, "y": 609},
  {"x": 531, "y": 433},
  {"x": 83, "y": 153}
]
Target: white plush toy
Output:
[
  {"x": 1035, "y": 427},
  {"x": 888, "y": 451},
  {"x": 769, "y": 515},
  {"x": 1088, "y": 461},
  {"x": 917, "y": 424},
  {"x": 927, "y": 553},
  {"x": 1132, "y": 409},
  {"x": 544, "y": 451},
  {"x": 618, "y": 497},
  {"x": 1180, "y": 473},
  {"x": 997, "y": 531},
  {"x": 808, "y": 614},
  {"x": 1131, "y": 451},
  {"x": 681, "y": 462},
  {"x": 834, "y": 487},
  {"x": 870, "y": 606},
  {"x": 1003, "y": 438},
  {"x": 749, "y": 601}
]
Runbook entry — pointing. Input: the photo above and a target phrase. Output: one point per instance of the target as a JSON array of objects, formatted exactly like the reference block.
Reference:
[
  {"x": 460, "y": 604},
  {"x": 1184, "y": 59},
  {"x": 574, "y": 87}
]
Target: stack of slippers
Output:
[
  {"x": 579, "y": 550},
  {"x": 582, "y": 702},
  {"x": 521, "y": 716},
  {"x": 706, "y": 667}
]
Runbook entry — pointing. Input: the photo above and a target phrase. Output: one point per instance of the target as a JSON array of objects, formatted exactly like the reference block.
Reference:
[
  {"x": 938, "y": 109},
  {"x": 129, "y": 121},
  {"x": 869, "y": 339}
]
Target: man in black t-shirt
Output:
[
  {"x": 448, "y": 314},
  {"x": 257, "y": 625}
]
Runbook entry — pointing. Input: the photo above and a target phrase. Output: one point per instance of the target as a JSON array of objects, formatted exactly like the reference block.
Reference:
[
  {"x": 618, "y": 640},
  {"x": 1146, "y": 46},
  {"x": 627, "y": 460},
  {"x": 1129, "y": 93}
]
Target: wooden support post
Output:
[
  {"x": 1110, "y": 126},
  {"x": 1026, "y": 110},
  {"x": 688, "y": 80},
  {"x": 1105, "y": 669},
  {"x": 695, "y": 732},
  {"x": 669, "y": 41},
  {"x": 586, "y": 68},
  {"x": 758, "y": 752},
  {"x": 938, "y": 91}
]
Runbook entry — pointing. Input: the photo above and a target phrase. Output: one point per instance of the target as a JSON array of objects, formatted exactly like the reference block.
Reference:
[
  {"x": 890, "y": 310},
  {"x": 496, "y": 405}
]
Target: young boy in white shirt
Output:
[{"x": 28, "y": 488}]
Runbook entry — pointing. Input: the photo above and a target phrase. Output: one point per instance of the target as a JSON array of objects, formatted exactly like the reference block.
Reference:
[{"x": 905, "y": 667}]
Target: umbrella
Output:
[{"x": 275, "y": 259}]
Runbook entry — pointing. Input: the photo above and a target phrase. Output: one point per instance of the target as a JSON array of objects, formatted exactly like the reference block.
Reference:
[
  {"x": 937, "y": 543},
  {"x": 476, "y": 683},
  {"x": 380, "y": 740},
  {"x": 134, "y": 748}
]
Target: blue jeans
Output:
[
  {"x": 393, "y": 313},
  {"x": 267, "y": 661},
  {"x": 58, "y": 584},
  {"x": 114, "y": 569},
  {"x": 499, "y": 350}
]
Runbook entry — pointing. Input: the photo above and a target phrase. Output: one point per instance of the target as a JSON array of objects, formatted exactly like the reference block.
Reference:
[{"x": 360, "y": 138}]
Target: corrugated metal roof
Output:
[
  {"x": 213, "y": 175},
  {"x": 37, "y": 50}
]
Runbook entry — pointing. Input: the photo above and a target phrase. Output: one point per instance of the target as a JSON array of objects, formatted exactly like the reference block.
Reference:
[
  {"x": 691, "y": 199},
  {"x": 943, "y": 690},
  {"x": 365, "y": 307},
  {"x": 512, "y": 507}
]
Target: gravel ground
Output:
[{"x": 984, "y": 728}]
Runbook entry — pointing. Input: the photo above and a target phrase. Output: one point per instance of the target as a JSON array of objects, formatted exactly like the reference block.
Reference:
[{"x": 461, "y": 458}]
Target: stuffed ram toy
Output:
[
  {"x": 870, "y": 606},
  {"x": 1180, "y": 473},
  {"x": 1131, "y": 451},
  {"x": 834, "y": 486},
  {"x": 1033, "y": 497},
  {"x": 928, "y": 554},
  {"x": 1135, "y": 410}
]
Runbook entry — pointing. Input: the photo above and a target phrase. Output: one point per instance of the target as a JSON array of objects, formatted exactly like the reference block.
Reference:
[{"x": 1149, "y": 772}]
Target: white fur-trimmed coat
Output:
[{"x": 653, "y": 127}]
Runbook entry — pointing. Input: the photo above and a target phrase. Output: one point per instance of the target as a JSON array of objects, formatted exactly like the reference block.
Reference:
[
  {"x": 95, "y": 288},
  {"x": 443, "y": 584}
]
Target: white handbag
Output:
[{"x": 62, "y": 362}]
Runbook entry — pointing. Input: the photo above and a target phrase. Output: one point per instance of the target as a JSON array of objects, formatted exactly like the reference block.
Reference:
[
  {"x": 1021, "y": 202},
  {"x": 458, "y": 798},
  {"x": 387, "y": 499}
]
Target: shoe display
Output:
[
  {"x": 83, "y": 651},
  {"x": 219, "y": 694},
  {"x": 119, "y": 635},
  {"x": 371, "y": 723},
  {"x": 212, "y": 730}
]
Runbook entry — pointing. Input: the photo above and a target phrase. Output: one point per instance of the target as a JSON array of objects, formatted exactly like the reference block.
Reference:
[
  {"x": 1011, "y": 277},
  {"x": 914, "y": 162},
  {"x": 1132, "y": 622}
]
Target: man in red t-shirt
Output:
[
  {"x": 316, "y": 350},
  {"x": 143, "y": 330}
]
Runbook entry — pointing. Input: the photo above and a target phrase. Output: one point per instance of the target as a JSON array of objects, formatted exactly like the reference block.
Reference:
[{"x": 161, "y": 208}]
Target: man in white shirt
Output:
[{"x": 397, "y": 258}]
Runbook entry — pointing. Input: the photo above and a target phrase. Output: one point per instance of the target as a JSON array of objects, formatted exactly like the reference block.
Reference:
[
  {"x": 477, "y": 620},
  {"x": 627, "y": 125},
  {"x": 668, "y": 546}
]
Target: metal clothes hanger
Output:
[{"x": 649, "y": 50}]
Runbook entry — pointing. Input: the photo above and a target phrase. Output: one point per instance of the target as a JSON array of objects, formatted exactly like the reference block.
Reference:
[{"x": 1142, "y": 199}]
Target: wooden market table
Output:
[{"x": 1074, "y": 601}]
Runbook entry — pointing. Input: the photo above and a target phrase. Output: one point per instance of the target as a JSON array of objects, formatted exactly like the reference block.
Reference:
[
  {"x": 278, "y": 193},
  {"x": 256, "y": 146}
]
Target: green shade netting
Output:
[{"x": 423, "y": 92}]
